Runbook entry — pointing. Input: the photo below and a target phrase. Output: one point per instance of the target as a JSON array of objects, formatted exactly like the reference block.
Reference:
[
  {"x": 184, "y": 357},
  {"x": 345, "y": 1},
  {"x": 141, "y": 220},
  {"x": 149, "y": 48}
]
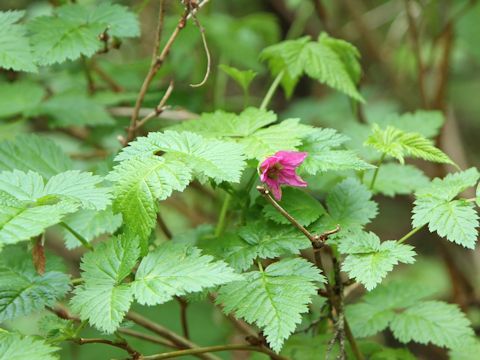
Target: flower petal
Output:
[{"x": 291, "y": 158}]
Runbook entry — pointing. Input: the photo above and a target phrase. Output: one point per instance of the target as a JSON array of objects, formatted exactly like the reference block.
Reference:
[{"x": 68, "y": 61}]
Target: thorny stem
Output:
[
  {"x": 375, "y": 174},
  {"x": 271, "y": 90},
  {"x": 80, "y": 238},
  {"x": 410, "y": 234},
  {"x": 229, "y": 347}
]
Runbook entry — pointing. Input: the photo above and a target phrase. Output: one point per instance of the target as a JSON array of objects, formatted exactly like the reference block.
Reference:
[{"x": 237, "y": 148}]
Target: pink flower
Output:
[{"x": 280, "y": 169}]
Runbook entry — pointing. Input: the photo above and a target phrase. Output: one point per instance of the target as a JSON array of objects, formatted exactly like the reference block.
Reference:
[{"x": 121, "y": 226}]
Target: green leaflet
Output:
[
  {"x": 399, "y": 144},
  {"x": 16, "y": 346},
  {"x": 331, "y": 61},
  {"x": 456, "y": 220},
  {"x": 15, "y": 50},
  {"x": 273, "y": 299},
  {"x": 103, "y": 299},
  {"x": 29, "y": 205},
  {"x": 175, "y": 270},
  {"x": 369, "y": 260},
  {"x": 35, "y": 153},
  {"x": 73, "y": 31},
  {"x": 400, "y": 307},
  {"x": 23, "y": 292}
]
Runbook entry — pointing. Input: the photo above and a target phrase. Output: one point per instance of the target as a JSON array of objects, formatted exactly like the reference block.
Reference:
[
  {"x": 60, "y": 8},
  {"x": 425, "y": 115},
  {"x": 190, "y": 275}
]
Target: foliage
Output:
[{"x": 137, "y": 212}]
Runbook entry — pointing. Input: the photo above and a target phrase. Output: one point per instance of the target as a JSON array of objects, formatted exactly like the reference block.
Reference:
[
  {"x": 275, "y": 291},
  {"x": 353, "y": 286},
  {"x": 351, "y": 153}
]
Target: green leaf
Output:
[
  {"x": 433, "y": 322},
  {"x": 425, "y": 122},
  {"x": 465, "y": 351},
  {"x": 19, "y": 97},
  {"x": 396, "y": 179},
  {"x": 224, "y": 124},
  {"x": 23, "y": 292},
  {"x": 349, "y": 205},
  {"x": 286, "y": 135},
  {"x": 368, "y": 260},
  {"x": 119, "y": 20},
  {"x": 35, "y": 153},
  {"x": 451, "y": 185},
  {"x": 220, "y": 160},
  {"x": 17, "y": 347},
  {"x": 320, "y": 144},
  {"x": 73, "y": 108},
  {"x": 103, "y": 300},
  {"x": 455, "y": 220},
  {"x": 243, "y": 78},
  {"x": 55, "y": 39},
  {"x": 399, "y": 144},
  {"x": 15, "y": 50},
  {"x": 258, "y": 239},
  {"x": 303, "y": 207},
  {"x": 330, "y": 61},
  {"x": 273, "y": 299},
  {"x": 90, "y": 224},
  {"x": 378, "y": 307},
  {"x": 174, "y": 269},
  {"x": 138, "y": 184},
  {"x": 73, "y": 31}
]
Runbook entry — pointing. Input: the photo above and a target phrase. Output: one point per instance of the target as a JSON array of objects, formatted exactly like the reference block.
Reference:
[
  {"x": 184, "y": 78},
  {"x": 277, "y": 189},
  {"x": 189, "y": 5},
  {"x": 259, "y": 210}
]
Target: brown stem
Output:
[
  {"x": 119, "y": 344},
  {"x": 110, "y": 81},
  {"x": 38, "y": 255},
  {"x": 197, "y": 351},
  {"x": 183, "y": 317},
  {"x": 157, "y": 61},
  {"x": 88, "y": 75},
  {"x": 412, "y": 28},
  {"x": 164, "y": 227},
  {"x": 159, "y": 109},
  {"x": 176, "y": 339},
  {"x": 146, "y": 337}
]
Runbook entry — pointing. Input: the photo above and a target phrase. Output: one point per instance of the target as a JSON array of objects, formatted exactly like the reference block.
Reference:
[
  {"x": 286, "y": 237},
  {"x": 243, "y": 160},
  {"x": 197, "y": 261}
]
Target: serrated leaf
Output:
[
  {"x": 220, "y": 160},
  {"x": 433, "y": 322},
  {"x": 425, "y": 122},
  {"x": 224, "y": 124},
  {"x": 103, "y": 299},
  {"x": 328, "y": 60},
  {"x": 322, "y": 156},
  {"x": 303, "y": 207},
  {"x": 243, "y": 78},
  {"x": 73, "y": 108},
  {"x": 451, "y": 185},
  {"x": 273, "y": 299},
  {"x": 73, "y": 31},
  {"x": 349, "y": 205},
  {"x": 175, "y": 270},
  {"x": 35, "y": 153},
  {"x": 18, "y": 347},
  {"x": 138, "y": 184},
  {"x": 19, "y": 97},
  {"x": 378, "y": 307},
  {"x": 258, "y": 239},
  {"x": 119, "y": 20},
  {"x": 15, "y": 50},
  {"x": 399, "y": 144},
  {"x": 90, "y": 224},
  {"x": 396, "y": 179},
  {"x": 286, "y": 135},
  {"x": 23, "y": 292},
  {"x": 368, "y": 260},
  {"x": 455, "y": 220}
]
